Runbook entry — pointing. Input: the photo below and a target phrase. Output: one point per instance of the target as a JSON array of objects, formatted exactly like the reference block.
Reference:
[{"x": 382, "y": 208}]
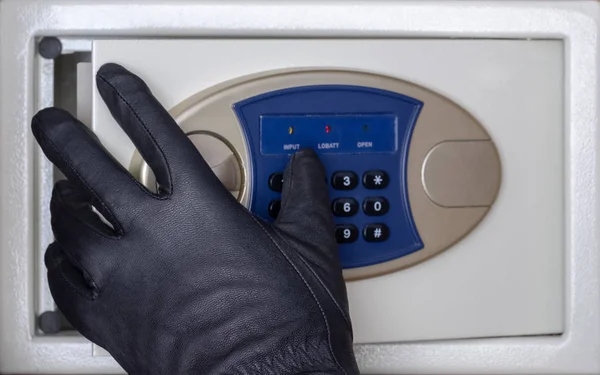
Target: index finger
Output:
[{"x": 159, "y": 139}]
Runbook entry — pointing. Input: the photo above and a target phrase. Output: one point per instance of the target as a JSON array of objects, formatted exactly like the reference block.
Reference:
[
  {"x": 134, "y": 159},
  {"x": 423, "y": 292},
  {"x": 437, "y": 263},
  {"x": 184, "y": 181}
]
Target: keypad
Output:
[
  {"x": 362, "y": 137},
  {"x": 346, "y": 233},
  {"x": 376, "y": 179},
  {"x": 350, "y": 203},
  {"x": 344, "y": 180}
]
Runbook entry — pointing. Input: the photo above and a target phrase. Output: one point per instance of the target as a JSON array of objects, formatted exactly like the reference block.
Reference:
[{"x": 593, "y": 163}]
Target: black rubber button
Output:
[
  {"x": 274, "y": 208},
  {"x": 375, "y": 179},
  {"x": 344, "y": 180},
  {"x": 376, "y": 232},
  {"x": 346, "y": 233},
  {"x": 344, "y": 206},
  {"x": 50, "y": 322},
  {"x": 50, "y": 47},
  {"x": 276, "y": 181},
  {"x": 375, "y": 206}
]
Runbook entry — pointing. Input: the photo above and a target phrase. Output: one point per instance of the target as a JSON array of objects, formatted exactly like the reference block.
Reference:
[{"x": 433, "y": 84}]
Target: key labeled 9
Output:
[{"x": 346, "y": 233}]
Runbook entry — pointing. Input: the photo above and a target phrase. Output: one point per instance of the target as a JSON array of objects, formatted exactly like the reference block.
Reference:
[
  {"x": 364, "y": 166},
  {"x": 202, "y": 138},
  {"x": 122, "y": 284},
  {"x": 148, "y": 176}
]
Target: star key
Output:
[{"x": 375, "y": 179}]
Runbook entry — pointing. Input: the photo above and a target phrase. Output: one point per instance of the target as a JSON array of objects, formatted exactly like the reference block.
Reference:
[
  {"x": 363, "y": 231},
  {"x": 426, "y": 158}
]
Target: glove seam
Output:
[
  {"x": 309, "y": 289},
  {"x": 78, "y": 219},
  {"x": 97, "y": 289},
  {"x": 120, "y": 230},
  {"x": 346, "y": 318},
  {"x": 300, "y": 355},
  {"x": 327, "y": 289},
  {"x": 57, "y": 264},
  {"x": 162, "y": 153},
  {"x": 282, "y": 210}
]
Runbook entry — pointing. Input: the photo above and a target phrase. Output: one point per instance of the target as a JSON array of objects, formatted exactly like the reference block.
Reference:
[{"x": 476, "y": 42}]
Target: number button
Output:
[
  {"x": 375, "y": 179},
  {"x": 276, "y": 181},
  {"x": 346, "y": 233},
  {"x": 375, "y": 206},
  {"x": 344, "y": 206},
  {"x": 376, "y": 232},
  {"x": 274, "y": 208},
  {"x": 344, "y": 180}
]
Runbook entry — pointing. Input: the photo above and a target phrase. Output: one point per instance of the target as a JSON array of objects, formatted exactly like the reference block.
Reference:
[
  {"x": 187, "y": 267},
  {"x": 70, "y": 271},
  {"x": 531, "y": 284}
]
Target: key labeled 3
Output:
[{"x": 344, "y": 180}]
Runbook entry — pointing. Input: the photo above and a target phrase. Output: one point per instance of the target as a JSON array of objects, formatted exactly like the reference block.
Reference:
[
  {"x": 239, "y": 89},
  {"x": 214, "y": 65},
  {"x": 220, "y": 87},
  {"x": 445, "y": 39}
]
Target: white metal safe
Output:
[{"x": 460, "y": 141}]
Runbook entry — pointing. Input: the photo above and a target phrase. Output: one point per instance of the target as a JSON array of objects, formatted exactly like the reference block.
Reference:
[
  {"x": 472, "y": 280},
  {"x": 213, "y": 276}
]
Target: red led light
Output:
[{"x": 327, "y": 128}]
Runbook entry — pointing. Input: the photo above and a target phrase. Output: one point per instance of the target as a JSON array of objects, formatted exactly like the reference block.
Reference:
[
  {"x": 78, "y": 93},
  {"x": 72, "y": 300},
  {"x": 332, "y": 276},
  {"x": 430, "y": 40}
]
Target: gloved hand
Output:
[{"x": 187, "y": 281}]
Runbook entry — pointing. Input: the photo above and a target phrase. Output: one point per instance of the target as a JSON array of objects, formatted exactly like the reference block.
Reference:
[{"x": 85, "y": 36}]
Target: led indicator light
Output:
[
  {"x": 365, "y": 128},
  {"x": 327, "y": 128},
  {"x": 290, "y": 130}
]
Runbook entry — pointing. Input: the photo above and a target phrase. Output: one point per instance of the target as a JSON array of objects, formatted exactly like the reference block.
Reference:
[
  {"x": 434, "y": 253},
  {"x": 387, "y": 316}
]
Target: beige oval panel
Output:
[{"x": 440, "y": 215}]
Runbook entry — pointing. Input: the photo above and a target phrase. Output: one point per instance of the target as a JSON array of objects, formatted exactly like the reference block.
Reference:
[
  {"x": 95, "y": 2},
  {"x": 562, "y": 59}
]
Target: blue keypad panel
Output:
[{"x": 362, "y": 136}]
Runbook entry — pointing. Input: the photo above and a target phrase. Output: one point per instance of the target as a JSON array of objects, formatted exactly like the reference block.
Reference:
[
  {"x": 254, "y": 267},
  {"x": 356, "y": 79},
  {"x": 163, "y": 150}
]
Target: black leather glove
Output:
[{"x": 187, "y": 281}]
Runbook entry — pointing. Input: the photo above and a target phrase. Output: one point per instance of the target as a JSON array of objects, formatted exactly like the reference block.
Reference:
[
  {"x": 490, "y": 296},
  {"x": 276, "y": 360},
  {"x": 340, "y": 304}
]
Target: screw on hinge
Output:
[
  {"x": 50, "y": 322},
  {"x": 50, "y": 47}
]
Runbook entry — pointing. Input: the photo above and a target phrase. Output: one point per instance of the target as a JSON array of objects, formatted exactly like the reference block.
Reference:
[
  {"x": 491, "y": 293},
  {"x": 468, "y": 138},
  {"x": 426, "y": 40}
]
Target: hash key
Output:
[{"x": 376, "y": 232}]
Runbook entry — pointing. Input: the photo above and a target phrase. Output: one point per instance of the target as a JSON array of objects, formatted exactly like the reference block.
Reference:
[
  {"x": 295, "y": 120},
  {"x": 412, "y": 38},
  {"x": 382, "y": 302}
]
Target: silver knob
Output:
[{"x": 218, "y": 155}]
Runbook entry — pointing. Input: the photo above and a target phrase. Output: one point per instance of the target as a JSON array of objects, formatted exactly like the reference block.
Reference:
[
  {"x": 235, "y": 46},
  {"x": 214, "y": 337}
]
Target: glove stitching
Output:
[
  {"x": 274, "y": 363},
  {"x": 69, "y": 283},
  {"x": 282, "y": 210},
  {"x": 77, "y": 218},
  {"x": 322, "y": 284},
  {"x": 165, "y": 160},
  {"x": 75, "y": 261},
  {"x": 97, "y": 289},
  {"x": 309, "y": 289},
  {"x": 117, "y": 224},
  {"x": 142, "y": 187},
  {"x": 330, "y": 295}
]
